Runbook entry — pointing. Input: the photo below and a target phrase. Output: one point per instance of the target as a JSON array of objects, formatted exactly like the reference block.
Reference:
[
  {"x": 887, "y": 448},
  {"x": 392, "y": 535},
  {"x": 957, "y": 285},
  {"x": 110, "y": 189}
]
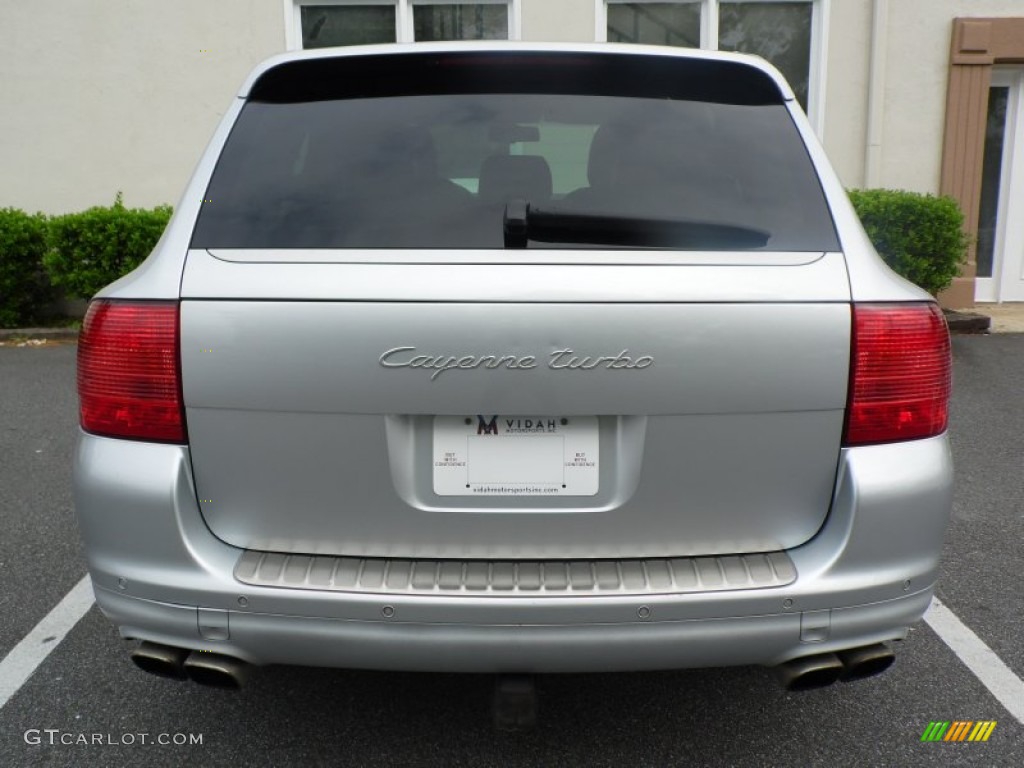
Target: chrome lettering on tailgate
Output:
[{"x": 559, "y": 359}]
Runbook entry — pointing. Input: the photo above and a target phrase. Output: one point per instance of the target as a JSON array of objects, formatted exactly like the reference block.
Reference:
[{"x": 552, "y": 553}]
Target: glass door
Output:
[{"x": 1000, "y": 245}]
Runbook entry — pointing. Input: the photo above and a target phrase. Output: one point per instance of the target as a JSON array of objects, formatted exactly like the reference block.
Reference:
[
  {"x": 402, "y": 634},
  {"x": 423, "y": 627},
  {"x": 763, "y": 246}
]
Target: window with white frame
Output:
[
  {"x": 672, "y": 23},
  {"x": 788, "y": 33},
  {"x": 324, "y": 23}
]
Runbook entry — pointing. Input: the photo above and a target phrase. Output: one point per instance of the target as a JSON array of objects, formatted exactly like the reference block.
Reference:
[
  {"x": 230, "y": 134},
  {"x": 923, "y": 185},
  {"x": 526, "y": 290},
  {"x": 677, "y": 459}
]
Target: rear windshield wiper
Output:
[{"x": 523, "y": 223}]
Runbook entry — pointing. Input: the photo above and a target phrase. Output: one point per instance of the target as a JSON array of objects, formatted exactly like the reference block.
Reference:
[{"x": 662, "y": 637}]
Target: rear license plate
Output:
[{"x": 515, "y": 455}]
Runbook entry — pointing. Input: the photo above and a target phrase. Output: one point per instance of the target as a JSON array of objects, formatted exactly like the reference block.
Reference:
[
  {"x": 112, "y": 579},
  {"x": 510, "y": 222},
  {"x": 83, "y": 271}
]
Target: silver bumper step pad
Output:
[{"x": 556, "y": 578}]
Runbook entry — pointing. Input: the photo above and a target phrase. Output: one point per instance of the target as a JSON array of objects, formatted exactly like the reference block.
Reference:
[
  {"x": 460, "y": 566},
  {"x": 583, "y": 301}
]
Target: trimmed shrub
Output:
[
  {"x": 920, "y": 236},
  {"x": 87, "y": 250},
  {"x": 25, "y": 291}
]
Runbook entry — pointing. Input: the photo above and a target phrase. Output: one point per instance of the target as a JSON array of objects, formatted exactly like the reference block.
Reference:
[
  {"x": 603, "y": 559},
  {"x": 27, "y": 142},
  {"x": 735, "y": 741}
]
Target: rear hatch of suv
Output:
[{"x": 515, "y": 305}]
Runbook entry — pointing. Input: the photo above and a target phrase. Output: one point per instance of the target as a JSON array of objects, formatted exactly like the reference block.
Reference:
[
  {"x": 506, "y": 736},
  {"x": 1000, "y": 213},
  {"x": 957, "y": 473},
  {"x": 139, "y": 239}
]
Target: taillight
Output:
[
  {"x": 900, "y": 374},
  {"x": 129, "y": 382}
]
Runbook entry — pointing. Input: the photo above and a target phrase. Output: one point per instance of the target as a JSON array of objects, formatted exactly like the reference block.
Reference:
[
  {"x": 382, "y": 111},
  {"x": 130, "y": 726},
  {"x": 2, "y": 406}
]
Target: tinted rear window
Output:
[{"x": 427, "y": 151}]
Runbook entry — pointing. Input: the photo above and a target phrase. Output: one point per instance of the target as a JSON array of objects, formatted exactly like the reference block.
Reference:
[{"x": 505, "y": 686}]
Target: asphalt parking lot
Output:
[{"x": 87, "y": 686}]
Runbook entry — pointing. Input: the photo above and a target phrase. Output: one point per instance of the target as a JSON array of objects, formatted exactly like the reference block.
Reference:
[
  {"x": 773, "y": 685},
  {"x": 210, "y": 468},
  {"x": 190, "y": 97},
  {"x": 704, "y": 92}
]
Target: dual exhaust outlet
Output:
[
  {"x": 809, "y": 672},
  {"x": 203, "y": 667},
  {"x": 801, "y": 674}
]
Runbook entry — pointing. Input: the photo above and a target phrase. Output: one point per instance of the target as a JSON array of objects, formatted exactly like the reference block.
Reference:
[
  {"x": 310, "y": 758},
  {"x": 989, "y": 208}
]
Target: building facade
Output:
[{"x": 924, "y": 95}]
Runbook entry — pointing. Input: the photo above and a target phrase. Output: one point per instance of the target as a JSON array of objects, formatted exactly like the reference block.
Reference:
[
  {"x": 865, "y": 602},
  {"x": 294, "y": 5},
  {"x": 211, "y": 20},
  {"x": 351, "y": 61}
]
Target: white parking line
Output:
[
  {"x": 979, "y": 658},
  {"x": 18, "y": 665}
]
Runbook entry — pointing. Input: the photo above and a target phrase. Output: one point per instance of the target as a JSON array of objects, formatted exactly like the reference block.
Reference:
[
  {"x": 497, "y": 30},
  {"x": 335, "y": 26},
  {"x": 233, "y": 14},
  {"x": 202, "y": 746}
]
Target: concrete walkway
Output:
[{"x": 1006, "y": 318}]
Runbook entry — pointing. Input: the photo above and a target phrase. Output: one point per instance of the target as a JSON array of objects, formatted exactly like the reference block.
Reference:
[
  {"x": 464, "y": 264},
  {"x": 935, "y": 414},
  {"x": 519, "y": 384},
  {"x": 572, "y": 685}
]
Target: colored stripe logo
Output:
[{"x": 958, "y": 730}]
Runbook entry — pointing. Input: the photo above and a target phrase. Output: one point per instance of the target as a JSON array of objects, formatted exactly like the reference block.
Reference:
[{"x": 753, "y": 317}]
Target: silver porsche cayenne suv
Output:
[{"x": 513, "y": 358}]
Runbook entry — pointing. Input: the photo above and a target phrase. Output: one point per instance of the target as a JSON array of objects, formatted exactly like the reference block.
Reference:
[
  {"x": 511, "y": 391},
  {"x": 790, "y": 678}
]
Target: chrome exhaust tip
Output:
[
  {"x": 162, "y": 660},
  {"x": 809, "y": 672},
  {"x": 216, "y": 670},
  {"x": 867, "y": 661}
]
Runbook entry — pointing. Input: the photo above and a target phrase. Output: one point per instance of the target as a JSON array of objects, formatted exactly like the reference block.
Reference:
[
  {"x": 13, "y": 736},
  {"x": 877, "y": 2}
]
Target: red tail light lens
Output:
[
  {"x": 900, "y": 374},
  {"x": 129, "y": 382}
]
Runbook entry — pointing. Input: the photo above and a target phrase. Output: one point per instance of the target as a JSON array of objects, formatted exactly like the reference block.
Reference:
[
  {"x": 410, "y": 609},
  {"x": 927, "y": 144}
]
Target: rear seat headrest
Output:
[{"x": 510, "y": 177}]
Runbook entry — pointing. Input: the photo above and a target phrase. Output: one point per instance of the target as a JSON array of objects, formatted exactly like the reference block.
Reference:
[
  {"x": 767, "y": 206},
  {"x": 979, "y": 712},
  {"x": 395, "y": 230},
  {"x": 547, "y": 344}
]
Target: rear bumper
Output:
[
  {"x": 263, "y": 638},
  {"x": 160, "y": 575}
]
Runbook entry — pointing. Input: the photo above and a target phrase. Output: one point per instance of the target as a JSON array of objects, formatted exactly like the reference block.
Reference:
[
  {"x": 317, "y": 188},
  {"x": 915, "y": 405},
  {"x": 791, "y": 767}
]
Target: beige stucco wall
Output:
[
  {"x": 914, "y": 93},
  {"x": 846, "y": 89},
  {"x": 97, "y": 97}
]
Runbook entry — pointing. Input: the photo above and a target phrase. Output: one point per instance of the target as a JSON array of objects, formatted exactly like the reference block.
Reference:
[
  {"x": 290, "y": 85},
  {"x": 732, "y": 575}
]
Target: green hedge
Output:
[
  {"x": 25, "y": 291},
  {"x": 87, "y": 250},
  {"x": 920, "y": 236}
]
